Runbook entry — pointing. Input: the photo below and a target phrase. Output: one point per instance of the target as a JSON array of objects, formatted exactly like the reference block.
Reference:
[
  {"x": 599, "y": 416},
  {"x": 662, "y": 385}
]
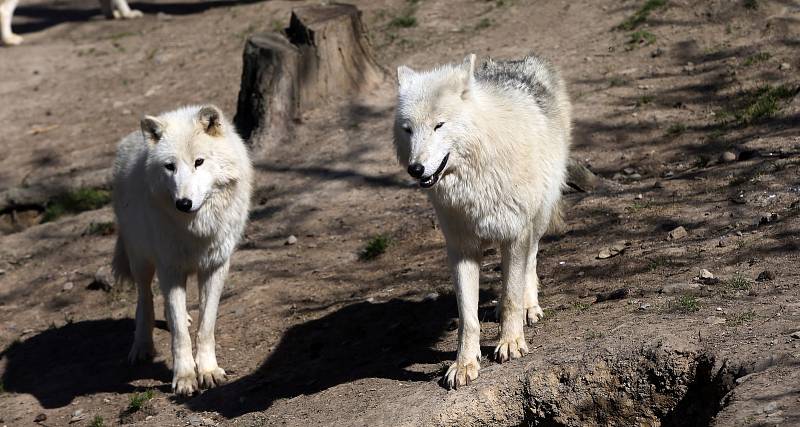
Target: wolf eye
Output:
[
  {"x": 198, "y": 162},
  {"x": 170, "y": 167},
  {"x": 438, "y": 125}
]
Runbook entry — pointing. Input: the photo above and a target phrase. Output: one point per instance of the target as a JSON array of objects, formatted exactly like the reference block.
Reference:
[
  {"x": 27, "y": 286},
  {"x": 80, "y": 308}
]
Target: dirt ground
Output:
[{"x": 695, "y": 124}]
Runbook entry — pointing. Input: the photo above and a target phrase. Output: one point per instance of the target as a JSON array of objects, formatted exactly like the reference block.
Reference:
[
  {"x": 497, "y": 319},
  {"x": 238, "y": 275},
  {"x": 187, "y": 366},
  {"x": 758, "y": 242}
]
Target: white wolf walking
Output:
[
  {"x": 181, "y": 196},
  {"x": 491, "y": 144}
]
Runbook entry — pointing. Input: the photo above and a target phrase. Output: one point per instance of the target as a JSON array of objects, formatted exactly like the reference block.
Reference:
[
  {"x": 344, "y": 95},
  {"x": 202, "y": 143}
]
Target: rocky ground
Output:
[{"x": 687, "y": 110}]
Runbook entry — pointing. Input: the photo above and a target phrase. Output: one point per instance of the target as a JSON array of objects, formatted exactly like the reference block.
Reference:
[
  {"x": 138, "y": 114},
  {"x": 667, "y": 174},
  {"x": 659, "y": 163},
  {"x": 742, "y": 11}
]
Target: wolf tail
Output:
[
  {"x": 120, "y": 265},
  {"x": 557, "y": 224}
]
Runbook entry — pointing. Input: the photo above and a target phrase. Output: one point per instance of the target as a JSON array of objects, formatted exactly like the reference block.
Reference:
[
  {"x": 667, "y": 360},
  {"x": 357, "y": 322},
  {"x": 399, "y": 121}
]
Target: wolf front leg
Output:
[
  {"x": 465, "y": 266},
  {"x": 184, "y": 377},
  {"x": 143, "y": 348},
  {"x": 533, "y": 312},
  {"x": 210, "y": 283},
  {"x": 6, "y": 14},
  {"x": 512, "y": 338}
]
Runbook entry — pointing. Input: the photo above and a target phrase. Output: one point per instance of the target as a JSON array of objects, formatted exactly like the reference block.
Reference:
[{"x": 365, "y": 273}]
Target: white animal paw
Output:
[
  {"x": 533, "y": 314},
  {"x": 141, "y": 352},
  {"x": 12, "y": 40},
  {"x": 185, "y": 384},
  {"x": 461, "y": 374},
  {"x": 508, "y": 349},
  {"x": 212, "y": 377},
  {"x": 133, "y": 14}
]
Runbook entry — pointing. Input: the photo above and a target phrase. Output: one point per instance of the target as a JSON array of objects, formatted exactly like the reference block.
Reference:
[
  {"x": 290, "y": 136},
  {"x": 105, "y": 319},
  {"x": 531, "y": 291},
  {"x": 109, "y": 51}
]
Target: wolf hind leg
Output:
[{"x": 143, "y": 349}]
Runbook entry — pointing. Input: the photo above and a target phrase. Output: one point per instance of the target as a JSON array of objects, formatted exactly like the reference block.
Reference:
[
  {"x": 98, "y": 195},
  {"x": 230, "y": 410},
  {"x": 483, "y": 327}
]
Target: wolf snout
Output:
[
  {"x": 184, "y": 205},
  {"x": 416, "y": 170}
]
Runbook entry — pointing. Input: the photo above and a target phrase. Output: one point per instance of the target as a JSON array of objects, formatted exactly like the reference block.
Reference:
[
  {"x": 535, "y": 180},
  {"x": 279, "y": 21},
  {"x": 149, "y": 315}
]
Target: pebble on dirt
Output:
[
  {"x": 103, "y": 280},
  {"x": 611, "y": 251},
  {"x": 39, "y": 418},
  {"x": 291, "y": 240},
  {"x": 727, "y": 157},
  {"x": 68, "y": 286},
  {"x": 613, "y": 295},
  {"x": 705, "y": 274},
  {"x": 678, "y": 233},
  {"x": 765, "y": 276},
  {"x": 795, "y": 335}
]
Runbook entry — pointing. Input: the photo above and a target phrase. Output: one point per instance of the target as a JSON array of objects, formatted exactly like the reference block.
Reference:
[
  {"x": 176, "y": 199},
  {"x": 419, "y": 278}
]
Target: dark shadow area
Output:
[
  {"x": 328, "y": 174},
  {"x": 42, "y": 16},
  {"x": 77, "y": 359},
  {"x": 362, "y": 340}
]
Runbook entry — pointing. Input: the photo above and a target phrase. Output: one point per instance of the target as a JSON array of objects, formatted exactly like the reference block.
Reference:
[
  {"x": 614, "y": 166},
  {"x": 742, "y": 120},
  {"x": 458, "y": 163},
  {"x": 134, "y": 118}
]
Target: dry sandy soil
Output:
[{"x": 312, "y": 335}]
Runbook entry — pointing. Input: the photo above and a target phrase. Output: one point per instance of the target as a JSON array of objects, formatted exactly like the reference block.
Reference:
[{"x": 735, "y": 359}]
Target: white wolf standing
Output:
[
  {"x": 492, "y": 146},
  {"x": 181, "y": 196}
]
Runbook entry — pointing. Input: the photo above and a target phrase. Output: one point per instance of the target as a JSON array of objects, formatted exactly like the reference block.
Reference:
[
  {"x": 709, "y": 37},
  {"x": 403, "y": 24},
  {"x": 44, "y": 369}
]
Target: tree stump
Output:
[{"x": 323, "y": 56}]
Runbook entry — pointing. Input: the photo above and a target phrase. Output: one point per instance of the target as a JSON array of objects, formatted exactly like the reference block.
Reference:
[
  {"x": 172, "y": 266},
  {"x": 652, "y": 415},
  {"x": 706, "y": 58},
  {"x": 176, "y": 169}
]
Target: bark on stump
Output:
[{"x": 323, "y": 56}]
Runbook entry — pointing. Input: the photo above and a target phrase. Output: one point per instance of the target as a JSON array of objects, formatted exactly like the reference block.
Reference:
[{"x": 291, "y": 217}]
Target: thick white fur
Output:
[
  {"x": 156, "y": 238},
  {"x": 502, "y": 183},
  {"x": 112, "y": 9}
]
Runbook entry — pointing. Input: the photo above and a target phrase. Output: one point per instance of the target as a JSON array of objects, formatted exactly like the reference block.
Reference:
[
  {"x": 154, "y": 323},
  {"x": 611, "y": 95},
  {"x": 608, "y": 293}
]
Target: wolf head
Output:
[
  {"x": 189, "y": 155},
  {"x": 431, "y": 118}
]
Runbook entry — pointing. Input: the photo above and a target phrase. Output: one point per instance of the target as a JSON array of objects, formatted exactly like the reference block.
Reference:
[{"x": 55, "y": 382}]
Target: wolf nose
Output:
[
  {"x": 416, "y": 170},
  {"x": 183, "y": 205}
]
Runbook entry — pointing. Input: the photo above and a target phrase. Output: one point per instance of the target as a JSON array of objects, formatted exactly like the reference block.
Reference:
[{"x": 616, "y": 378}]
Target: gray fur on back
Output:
[{"x": 532, "y": 75}]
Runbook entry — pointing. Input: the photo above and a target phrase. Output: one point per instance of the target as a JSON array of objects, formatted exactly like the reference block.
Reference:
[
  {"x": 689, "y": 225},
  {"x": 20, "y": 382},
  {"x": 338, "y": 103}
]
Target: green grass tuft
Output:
[
  {"x": 483, "y": 24},
  {"x": 404, "y": 21},
  {"x": 100, "y": 229},
  {"x": 641, "y": 38},
  {"x": 763, "y": 103},
  {"x": 139, "y": 399},
  {"x": 375, "y": 247},
  {"x": 755, "y": 59},
  {"x": 84, "y": 199},
  {"x": 738, "y": 283},
  {"x": 97, "y": 421},
  {"x": 675, "y": 129},
  {"x": 641, "y": 15},
  {"x": 742, "y": 318},
  {"x": 686, "y": 304}
]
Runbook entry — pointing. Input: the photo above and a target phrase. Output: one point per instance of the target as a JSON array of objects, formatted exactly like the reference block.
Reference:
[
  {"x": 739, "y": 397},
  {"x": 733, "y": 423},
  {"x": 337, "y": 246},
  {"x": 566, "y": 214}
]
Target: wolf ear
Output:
[
  {"x": 152, "y": 129},
  {"x": 469, "y": 74},
  {"x": 210, "y": 119},
  {"x": 403, "y": 74}
]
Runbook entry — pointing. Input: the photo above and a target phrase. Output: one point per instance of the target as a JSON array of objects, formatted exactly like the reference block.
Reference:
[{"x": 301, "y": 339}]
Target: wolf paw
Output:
[
  {"x": 508, "y": 349},
  {"x": 533, "y": 314},
  {"x": 212, "y": 377},
  {"x": 461, "y": 374},
  {"x": 185, "y": 384},
  {"x": 12, "y": 40},
  {"x": 141, "y": 352},
  {"x": 133, "y": 14}
]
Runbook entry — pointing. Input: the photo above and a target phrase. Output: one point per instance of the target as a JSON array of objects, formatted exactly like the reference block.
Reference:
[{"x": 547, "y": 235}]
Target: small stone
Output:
[
  {"x": 771, "y": 407},
  {"x": 629, "y": 171},
  {"x": 658, "y": 184},
  {"x": 638, "y": 196},
  {"x": 195, "y": 421},
  {"x": 433, "y": 296},
  {"x": 103, "y": 279},
  {"x": 370, "y": 300},
  {"x": 2, "y": 272},
  {"x": 68, "y": 286},
  {"x": 657, "y": 52},
  {"x": 765, "y": 276},
  {"x": 727, "y": 157},
  {"x": 739, "y": 233},
  {"x": 795, "y": 335},
  {"x": 77, "y": 415},
  {"x": 705, "y": 274},
  {"x": 785, "y": 66},
  {"x": 39, "y": 418},
  {"x": 644, "y": 306},
  {"x": 678, "y": 233},
  {"x": 722, "y": 242},
  {"x": 291, "y": 240},
  {"x": 635, "y": 176},
  {"x": 768, "y": 218},
  {"x": 611, "y": 251}
]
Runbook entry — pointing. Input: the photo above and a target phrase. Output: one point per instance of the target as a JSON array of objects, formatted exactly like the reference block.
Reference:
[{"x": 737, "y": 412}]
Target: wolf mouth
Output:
[{"x": 434, "y": 178}]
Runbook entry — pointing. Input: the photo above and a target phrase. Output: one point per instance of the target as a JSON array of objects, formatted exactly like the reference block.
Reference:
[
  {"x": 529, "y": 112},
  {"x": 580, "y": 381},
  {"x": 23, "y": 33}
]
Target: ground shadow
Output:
[
  {"x": 38, "y": 17},
  {"x": 362, "y": 340},
  {"x": 77, "y": 359}
]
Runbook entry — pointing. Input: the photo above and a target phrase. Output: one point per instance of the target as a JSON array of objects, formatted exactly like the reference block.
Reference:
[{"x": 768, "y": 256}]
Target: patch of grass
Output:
[
  {"x": 641, "y": 38},
  {"x": 100, "y": 229},
  {"x": 637, "y": 206},
  {"x": 644, "y": 100},
  {"x": 742, "y": 318},
  {"x": 121, "y": 35},
  {"x": 483, "y": 24},
  {"x": 97, "y": 421},
  {"x": 403, "y": 21},
  {"x": 750, "y": 4},
  {"x": 686, "y": 304},
  {"x": 592, "y": 335},
  {"x": 375, "y": 247},
  {"x": 675, "y": 129},
  {"x": 581, "y": 306},
  {"x": 139, "y": 399},
  {"x": 763, "y": 103},
  {"x": 641, "y": 14},
  {"x": 617, "y": 81},
  {"x": 738, "y": 283},
  {"x": 755, "y": 59},
  {"x": 84, "y": 199}
]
